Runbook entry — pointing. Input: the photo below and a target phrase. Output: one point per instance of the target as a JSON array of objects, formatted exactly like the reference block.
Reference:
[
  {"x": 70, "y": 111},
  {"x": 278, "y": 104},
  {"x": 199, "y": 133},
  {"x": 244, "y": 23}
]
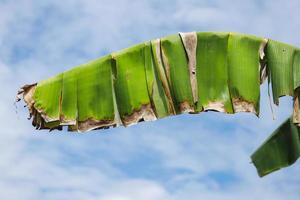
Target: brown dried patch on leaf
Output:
[
  {"x": 189, "y": 41},
  {"x": 296, "y": 114},
  {"x": 185, "y": 107},
  {"x": 39, "y": 119},
  {"x": 215, "y": 106},
  {"x": 39, "y": 123},
  {"x": 145, "y": 113},
  {"x": 91, "y": 124},
  {"x": 26, "y": 92},
  {"x": 240, "y": 105},
  {"x": 262, "y": 61}
]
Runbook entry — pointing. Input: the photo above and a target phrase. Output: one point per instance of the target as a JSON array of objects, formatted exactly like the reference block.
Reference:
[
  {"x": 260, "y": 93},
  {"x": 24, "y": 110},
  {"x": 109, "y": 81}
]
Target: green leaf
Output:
[
  {"x": 155, "y": 87},
  {"x": 280, "y": 150},
  {"x": 130, "y": 85},
  {"x": 280, "y": 59},
  {"x": 47, "y": 98},
  {"x": 69, "y": 97},
  {"x": 212, "y": 72},
  {"x": 244, "y": 71},
  {"x": 176, "y": 68},
  {"x": 94, "y": 93},
  {"x": 185, "y": 72}
]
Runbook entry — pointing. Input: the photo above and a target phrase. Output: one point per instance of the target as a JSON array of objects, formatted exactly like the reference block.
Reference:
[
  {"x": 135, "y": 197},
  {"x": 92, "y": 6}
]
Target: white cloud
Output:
[{"x": 204, "y": 156}]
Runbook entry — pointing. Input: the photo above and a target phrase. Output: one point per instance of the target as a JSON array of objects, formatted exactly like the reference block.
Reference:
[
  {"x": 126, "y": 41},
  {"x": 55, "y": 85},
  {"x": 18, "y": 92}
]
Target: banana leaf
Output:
[
  {"x": 181, "y": 73},
  {"x": 280, "y": 150}
]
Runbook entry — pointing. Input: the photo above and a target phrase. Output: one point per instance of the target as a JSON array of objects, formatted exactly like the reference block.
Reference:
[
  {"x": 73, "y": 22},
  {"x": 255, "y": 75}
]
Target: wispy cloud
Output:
[{"x": 203, "y": 156}]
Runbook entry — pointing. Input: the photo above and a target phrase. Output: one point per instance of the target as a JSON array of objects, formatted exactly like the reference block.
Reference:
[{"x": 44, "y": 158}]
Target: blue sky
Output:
[{"x": 193, "y": 157}]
